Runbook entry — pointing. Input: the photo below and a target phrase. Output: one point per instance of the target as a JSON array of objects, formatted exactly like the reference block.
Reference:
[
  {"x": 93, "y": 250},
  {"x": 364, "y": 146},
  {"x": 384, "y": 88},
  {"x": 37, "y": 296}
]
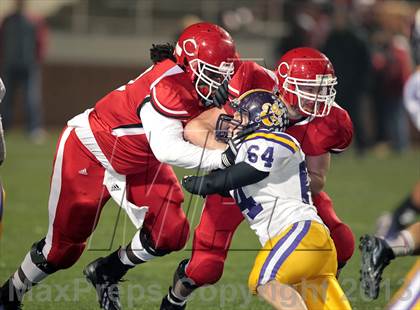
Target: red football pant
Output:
[
  {"x": 341, "y": 233},
  {"x": 78, "y": 195},
  {"x": 212, "y": 237},
  {"x": 218, "y": 223}
]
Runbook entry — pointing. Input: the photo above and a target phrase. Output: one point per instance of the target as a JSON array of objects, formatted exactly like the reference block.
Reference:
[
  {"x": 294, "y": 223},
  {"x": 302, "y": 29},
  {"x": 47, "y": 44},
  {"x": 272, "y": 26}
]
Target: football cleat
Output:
[
  {"x": 7, "y": 303},
  {"x": 376, "y": 255},
  {"x": 105, "y": 285}
]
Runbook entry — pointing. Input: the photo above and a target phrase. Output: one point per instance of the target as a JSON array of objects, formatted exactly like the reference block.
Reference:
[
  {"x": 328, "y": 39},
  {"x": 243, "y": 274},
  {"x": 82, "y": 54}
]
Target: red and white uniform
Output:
[
  {"x": 220, "y": 217},
  {"x": 241, "y": 82},
  {"x": 316, "y": 135},
  {"x": 122, "y": 149},
  {"x": 124, "y": 121},
  {"x": 332, "y": 133}
]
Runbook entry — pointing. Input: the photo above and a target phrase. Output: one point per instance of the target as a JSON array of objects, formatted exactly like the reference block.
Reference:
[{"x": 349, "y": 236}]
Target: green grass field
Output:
[{"x": 361, "y": 189}]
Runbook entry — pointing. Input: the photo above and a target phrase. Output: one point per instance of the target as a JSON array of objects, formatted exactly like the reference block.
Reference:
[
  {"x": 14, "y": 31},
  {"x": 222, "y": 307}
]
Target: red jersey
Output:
[
  {"x": 316, "y": 135},
  {"x": 320, "y": 135},
  {"x": 249, "y": 76},
  {"x": 115, "y": 119}
]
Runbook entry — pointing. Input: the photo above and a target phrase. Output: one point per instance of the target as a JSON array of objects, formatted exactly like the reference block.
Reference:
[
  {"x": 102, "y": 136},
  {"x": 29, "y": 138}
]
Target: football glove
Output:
[
  {"x": 220, "y": 96},
  {"x": 192, "y": 184},
  {"x": 234, "y": 143}
]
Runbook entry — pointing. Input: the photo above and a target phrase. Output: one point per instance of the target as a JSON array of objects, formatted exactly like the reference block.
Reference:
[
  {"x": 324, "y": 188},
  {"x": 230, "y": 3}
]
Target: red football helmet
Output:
[
  {"x": 207, "y": 52},
  {"x": 306, "y": 81}
]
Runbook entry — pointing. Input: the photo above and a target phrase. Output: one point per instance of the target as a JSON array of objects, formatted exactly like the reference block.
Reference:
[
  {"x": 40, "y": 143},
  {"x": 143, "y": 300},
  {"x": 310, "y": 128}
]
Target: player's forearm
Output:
[
  {"x": 186, "y": 155},
  {"x": 318, "y": 167},
  {"x": 317, "y": 182},
  {"x": 203, "y": 137},
  {"x": 166, "y": 140},
  {"x": 200, "y": 130},
  {"x": 222, "y": 181}
]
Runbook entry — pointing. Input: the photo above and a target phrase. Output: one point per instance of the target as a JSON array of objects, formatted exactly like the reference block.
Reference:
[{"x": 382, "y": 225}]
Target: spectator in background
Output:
[
  {"x": 299, "y": 24},
  {"x": 348, "y": 50},
  {"x": 392, "y": 67},
  {"x": 412, "y": 86},
  {"x": 22, "y": 49}
]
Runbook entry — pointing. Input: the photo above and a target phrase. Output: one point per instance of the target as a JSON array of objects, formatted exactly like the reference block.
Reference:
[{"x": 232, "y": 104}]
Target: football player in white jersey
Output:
[{"x": 270, "y": 184}]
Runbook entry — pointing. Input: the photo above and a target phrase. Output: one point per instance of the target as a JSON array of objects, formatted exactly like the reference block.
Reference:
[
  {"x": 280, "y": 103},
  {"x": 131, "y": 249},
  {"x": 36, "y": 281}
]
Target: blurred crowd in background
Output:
[{"x": 369, "y": 43}]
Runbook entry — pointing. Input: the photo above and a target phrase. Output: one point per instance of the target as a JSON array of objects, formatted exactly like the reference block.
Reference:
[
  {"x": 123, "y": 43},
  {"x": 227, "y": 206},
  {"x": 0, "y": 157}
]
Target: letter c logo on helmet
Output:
[
  {"x": 190, "y": 47},
  {"x": 283, "y": 69},
  {"x": 207, "y": 52}
]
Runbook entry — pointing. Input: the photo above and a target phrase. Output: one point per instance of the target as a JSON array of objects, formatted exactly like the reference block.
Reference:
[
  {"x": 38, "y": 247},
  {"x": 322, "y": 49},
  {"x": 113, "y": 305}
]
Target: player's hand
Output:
[
  {"x": 234, "y": 143},
  {"x": 192, "y": 184},
  {"x": 220, "y": 96},
  {"x": 229, "y": 155}
]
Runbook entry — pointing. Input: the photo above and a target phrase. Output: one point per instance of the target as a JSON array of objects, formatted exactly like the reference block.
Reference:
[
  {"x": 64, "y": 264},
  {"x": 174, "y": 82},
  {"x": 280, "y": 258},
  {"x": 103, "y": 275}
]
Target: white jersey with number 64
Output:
[{"x": 282, "y": 198}]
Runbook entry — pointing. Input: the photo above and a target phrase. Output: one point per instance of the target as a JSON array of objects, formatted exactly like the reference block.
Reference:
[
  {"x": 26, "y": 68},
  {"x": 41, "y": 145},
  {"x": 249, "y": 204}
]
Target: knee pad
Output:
[
  {"x": 344, "y": 242},
  {"x": 63, "y": 255},
  {"x": 149, "y": 245},
  {"x": 208, "y": 258},
  {"x": 205, "y": 268},
  {"x": 173, "y": 237}
]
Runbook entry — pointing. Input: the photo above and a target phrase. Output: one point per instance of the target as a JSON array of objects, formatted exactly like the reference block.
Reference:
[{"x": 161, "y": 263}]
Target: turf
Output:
[{"x": 361, "y": 188}]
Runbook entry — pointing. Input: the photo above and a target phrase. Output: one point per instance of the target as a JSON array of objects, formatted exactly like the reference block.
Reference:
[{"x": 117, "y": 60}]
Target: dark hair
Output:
[{"x": 160, "y": 52}]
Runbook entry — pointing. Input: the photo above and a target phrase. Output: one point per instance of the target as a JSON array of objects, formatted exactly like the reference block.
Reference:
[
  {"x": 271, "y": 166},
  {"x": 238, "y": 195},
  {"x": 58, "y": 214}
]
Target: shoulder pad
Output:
[
  {"x": 283, "y": 139},
  {"x": 251, "y": 75},
  {"x": 173, "y": 98},
  {"x": 343, "y": 128}
]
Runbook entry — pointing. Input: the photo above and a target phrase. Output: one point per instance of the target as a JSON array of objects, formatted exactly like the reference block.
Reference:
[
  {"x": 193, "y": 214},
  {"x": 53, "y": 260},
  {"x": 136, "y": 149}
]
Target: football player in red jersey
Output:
[
  {"x": 123, "y": 148},
  {"x": 305, "y": 82}
]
